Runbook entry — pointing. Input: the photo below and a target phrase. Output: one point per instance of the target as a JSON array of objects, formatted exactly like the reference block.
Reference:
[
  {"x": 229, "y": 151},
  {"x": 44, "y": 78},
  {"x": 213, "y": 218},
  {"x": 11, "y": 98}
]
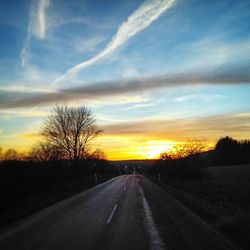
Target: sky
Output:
[{"x": 153, "y": 72}]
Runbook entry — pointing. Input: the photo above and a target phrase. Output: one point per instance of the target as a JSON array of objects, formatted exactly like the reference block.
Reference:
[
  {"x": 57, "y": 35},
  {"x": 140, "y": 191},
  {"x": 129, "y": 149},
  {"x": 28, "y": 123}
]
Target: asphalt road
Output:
[{"x": 127, "y": 212}]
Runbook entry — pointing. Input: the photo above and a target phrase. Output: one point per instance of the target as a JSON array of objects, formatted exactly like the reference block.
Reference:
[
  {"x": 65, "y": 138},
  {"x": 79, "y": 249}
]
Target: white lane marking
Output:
[
  {"x": 125, "y": 188},
  {"x": 155, "y": 239},
  {"x": 112, "y": 213}
]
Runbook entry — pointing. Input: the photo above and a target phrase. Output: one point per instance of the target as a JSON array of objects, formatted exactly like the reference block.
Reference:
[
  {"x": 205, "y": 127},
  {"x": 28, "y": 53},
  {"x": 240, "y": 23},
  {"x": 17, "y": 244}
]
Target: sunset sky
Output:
[{"x": 153, "y": 72}]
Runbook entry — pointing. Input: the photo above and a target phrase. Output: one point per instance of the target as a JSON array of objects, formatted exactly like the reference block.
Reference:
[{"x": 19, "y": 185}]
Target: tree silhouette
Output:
[
  {"x": 98, "y": 155},
  {"x": 192, "y": 147},
  {"x": 231, "y": 151},
  {"x": 226, "y": 143},
  {"x": 44, "y": 151},
  {"x": 10, "y": 155},
  {"x": 70, "y": 130},
  {"x": 165, "y": 156}
]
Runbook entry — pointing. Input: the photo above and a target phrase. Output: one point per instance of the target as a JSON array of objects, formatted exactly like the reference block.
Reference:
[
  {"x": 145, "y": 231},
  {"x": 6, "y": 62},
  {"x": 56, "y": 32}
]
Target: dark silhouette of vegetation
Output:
[
  {"x": 10, "y": 155},
  {"x": 229, "y": 151},
  {"x": 183, "y": 161},
  {"x": 69, "y": 130},
  {"x": 67, "y": 134},
  {"x": 43, "y": 152},
  {"x": 193, "y": 146},
  {"x": 187, "y": 160}
]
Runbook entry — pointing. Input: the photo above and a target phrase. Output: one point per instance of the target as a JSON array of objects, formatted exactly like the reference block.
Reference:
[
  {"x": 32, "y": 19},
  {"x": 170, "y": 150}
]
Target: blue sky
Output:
[{"x": 111, "y": 56}]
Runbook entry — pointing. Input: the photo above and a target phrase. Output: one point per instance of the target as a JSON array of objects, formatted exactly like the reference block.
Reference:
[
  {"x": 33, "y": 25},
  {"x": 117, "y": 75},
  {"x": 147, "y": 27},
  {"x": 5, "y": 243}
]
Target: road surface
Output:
[{"x": 127, "y": 212}]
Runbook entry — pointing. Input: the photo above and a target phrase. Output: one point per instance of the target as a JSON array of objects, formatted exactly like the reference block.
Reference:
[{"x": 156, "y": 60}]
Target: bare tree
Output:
[
  {"x": 44, "y": 151},
  {"x": 10, "y": 155},
  {"x": 165, "y": 156},
  {"x": 98, "y": 154},
  {"x": 192, "y": 147},
  {"x": 70, "y": 130}
]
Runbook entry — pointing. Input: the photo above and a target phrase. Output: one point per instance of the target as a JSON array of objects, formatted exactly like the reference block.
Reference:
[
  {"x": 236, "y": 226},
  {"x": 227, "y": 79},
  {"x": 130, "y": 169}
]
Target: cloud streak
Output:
[
  {"x": 41, "y": 28},
  {"x": 234, "y": 124},
  {"x": 140, "y": 19},
  {"x": 37, "y": 27},
  {"x": 95, "y": 91}
]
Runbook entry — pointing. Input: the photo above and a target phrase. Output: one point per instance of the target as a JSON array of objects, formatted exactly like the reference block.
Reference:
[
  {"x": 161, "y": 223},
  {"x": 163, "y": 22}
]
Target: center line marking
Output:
[{"x": 112, "y": 213}]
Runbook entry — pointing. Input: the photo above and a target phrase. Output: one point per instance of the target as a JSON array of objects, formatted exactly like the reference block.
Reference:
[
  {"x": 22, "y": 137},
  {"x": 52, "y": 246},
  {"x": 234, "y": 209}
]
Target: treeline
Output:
[
  {"x": 188, "y": 162},
  {"x": 229, "y": 151}
]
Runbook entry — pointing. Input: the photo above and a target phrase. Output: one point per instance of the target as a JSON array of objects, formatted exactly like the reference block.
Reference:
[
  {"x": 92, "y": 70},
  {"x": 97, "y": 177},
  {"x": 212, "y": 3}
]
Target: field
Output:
[
  {"x": 231, "y": 182},
  {"x": 225, "y": 189}
]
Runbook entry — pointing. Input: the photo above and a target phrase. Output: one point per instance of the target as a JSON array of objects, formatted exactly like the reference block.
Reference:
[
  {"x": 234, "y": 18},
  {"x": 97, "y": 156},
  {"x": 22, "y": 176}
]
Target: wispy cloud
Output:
[
  {"x": 88, "y": 44},
  {"x": 98, "y": 91},
  {"x": 24, "y": 55},
  {"x": 200, "y": 97},
  {"x": 137, "y": 106},
  {"x": 140, "y": 19},
  {"x": 38, "y": 19},
  {"x": 37, "y": 26},
  {"x": 30, "y": 113}
]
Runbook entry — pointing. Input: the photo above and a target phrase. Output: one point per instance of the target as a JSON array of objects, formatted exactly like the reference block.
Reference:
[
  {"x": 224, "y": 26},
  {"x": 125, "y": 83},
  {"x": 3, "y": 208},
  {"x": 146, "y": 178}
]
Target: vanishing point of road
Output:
[{"x": 126, "y": 212}]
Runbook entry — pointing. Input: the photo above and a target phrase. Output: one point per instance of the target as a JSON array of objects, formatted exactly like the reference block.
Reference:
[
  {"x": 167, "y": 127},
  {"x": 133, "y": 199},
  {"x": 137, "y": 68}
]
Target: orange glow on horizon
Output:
[
  {"x": 115, "y": 147},
  {"x": 118, "y": 147}
]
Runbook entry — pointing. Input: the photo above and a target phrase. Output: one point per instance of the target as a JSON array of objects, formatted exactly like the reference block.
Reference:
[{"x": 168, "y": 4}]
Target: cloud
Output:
[
  {"x": 214, "y": 127},
  {"x": 30, "y": 113},
  {"x": 24, "y": 55},
  {"x": 137, "y": 106},
  {"x": 195, "y": 97},
  {"x": 37, "y": 27},
  {"x": 38, "y": 19},
  {"x": 140, "y": 19},
  {"x": 88, "y": 44},
  {"x": 101, "y": 90}
]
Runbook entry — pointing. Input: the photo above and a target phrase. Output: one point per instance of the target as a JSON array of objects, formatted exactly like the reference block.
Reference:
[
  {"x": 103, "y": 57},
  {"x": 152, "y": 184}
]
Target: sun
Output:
[{"x": 156, "y": 148}]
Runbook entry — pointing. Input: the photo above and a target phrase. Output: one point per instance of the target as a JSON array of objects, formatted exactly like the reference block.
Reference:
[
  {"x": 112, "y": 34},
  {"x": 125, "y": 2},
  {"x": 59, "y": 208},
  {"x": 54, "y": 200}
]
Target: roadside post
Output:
[{"x": 159, "y": 176}]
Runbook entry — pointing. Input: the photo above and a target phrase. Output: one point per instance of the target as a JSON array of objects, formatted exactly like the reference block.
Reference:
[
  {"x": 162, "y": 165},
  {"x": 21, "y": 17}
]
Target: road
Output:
[{"x": 127, "y": 212}]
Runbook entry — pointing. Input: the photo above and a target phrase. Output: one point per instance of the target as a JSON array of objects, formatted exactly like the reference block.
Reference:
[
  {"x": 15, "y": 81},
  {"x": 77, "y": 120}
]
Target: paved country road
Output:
[{"x": 127, "y": 212}]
